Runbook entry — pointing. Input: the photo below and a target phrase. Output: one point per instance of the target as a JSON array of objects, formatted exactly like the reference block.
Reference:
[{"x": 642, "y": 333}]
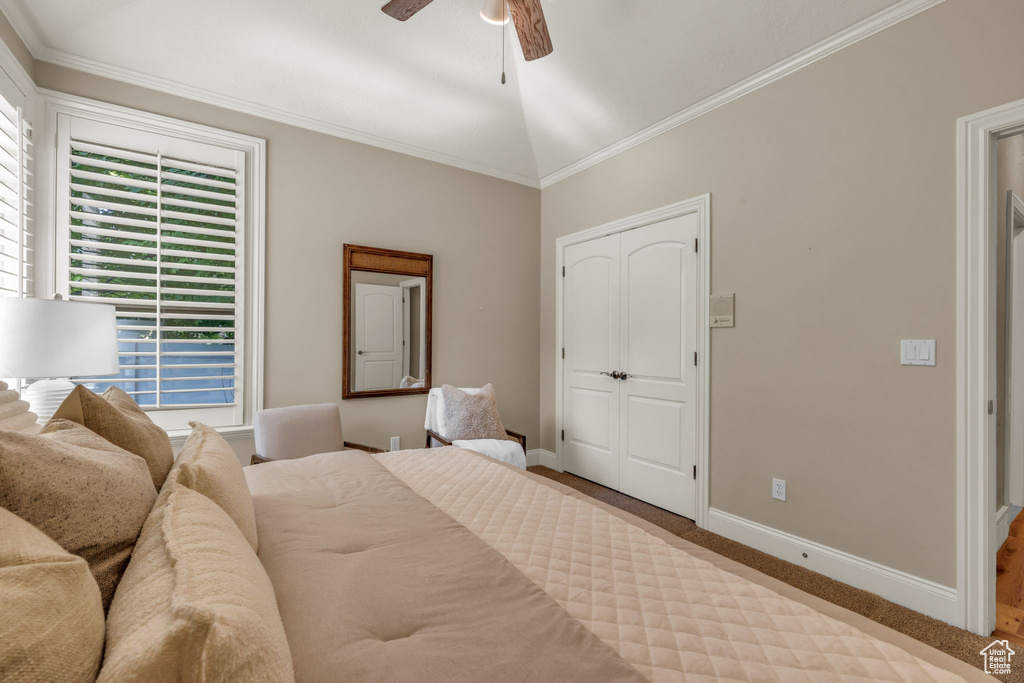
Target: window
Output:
[
  {"x": 159, "y": 223},
  {"x": 15, "y": 192}
]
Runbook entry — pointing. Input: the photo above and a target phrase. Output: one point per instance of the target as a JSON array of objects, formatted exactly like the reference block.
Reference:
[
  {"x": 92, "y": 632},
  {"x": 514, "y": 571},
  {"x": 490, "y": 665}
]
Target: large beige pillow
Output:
[
  {"x": 118, "y": 418},
  {"x": 51, "y": 615},
  {"x": 195, "y": 603},
  {"x": 472, "y": 416},
  {"x": 208, "y": 465},
  {"x": 85, "y": 493}
]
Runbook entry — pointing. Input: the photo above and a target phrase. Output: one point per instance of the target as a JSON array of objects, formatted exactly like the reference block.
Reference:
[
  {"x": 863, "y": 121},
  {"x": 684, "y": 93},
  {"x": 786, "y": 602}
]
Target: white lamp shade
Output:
[
  {"x": 42, "y": 338},
  {"x": 495, "y": 12}
]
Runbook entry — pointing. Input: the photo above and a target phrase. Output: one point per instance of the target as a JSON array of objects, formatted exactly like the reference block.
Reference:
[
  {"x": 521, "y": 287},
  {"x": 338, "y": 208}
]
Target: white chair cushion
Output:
[{"x": 510, "y": 452}]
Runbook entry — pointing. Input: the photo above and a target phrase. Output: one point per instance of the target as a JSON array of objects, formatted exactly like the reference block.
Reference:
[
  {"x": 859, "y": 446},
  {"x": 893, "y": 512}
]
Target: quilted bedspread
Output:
[{"x": 663, "y": 608}]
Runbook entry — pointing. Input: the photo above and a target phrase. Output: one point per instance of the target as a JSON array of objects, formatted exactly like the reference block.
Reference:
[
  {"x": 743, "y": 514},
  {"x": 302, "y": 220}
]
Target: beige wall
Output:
[
  {"x": 833, "y": 221},
  {"x": 10, "y": 38},
  {"x": 1010, "y": 176},
  {"x": 323, "y": 192}
]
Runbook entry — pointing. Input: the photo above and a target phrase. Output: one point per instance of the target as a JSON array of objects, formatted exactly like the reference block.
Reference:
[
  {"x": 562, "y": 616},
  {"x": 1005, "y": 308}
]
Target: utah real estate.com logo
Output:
[{"x": 997, "y": 657}]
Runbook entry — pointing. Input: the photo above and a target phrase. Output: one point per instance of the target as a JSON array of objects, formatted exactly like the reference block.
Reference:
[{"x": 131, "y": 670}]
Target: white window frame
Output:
[
  {"x": 48, "y": 271},
  {"x": 22, "y": 82}
]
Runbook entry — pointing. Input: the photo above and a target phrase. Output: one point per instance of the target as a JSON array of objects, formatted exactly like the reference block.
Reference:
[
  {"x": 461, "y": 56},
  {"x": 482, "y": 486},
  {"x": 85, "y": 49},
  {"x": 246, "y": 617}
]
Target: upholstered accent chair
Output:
[
  {"x": 511, "y": 451},
  {"x": 297, "y": 431}
]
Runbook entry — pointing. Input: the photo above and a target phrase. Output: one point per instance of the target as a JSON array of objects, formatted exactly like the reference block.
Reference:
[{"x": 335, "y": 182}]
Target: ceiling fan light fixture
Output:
[{"x": 495, "y": 12}]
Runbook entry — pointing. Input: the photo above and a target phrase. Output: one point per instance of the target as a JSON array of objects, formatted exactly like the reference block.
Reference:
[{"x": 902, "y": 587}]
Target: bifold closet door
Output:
[
  {"x": 630, "y": 306},
  {"x": 590, "y": 319},
  {"x": 658, "y": 339}
]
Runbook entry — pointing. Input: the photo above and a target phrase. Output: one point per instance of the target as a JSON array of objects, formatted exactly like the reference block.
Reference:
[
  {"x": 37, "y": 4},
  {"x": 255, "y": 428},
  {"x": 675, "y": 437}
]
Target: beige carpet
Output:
[{"x": 956, "y": 642}]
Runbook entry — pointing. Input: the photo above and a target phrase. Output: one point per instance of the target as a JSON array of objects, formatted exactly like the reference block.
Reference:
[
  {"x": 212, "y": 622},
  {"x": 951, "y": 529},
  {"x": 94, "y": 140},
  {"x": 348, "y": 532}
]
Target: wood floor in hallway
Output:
[{"x": 1010, "y": 585}]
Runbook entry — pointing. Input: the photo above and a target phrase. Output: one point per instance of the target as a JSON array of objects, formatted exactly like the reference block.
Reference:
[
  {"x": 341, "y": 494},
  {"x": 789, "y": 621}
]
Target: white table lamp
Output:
[{"x": 52, "y": 340}]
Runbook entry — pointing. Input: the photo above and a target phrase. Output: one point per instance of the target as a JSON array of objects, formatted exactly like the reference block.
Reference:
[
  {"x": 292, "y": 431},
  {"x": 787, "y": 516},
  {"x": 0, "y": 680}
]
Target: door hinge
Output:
[
  {"x": 563, "y": 353},
  {"x": 563, "y": 271},
  {"x": 694, "y": 357},
  {"x": 696, "y": 244},
  {"x": 991, "y": 407},
  {"x": 694, "y": 471},
  {"x": 563, "y": 435}
]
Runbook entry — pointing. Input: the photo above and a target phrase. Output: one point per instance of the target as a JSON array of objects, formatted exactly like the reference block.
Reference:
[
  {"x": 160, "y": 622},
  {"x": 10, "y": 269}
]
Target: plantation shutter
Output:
[
  {"x": 15, "y": 197},
  {"x": 153, "y": 225}
]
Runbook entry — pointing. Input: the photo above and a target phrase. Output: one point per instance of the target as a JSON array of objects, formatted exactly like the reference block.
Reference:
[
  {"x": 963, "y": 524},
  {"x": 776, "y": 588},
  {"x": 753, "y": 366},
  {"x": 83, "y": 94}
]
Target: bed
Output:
[{"x": 444, "y": 565}]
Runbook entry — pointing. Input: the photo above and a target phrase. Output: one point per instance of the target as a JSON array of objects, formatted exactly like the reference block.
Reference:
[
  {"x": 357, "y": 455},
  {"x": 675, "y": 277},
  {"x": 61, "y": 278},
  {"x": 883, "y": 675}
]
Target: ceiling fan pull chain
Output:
[{"x": 503, "y": 29}]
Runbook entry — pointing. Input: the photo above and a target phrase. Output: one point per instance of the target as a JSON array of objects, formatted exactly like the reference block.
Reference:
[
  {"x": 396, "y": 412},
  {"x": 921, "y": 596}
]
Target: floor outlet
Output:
[
  {"x": 779, "y": 489},
  {"x": 396, "y": 445}
]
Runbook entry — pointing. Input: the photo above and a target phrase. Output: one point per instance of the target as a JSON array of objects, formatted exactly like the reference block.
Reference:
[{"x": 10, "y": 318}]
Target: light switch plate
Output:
[
  {"x": 917, "y": 352},
  {"x": 723, "y": 310}
]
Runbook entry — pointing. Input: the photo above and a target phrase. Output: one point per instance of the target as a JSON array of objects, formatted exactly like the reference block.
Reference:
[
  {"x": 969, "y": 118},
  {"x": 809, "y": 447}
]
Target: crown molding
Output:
[
  {"x": 889, "y": 17},
  {"x": 271, "y": 113},
  {"x": 859, "y": 31}
]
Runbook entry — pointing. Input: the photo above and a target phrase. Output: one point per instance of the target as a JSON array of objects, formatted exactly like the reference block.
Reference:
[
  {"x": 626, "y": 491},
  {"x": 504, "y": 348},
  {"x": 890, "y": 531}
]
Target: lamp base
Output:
[{"x": 46, "y": 395}]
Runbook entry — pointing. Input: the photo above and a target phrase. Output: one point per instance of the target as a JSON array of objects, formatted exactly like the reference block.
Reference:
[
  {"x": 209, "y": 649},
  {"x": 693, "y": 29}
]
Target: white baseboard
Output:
[
  {"x": 539, "y": 456},
  {"x": 919, "y": 594},
  {"x": 1002, "y": 528}
]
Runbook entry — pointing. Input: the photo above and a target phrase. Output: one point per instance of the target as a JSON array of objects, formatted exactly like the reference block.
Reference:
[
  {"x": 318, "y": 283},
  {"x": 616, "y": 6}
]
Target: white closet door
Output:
[
  {"x": 658, "y": 337},
  {"x": 590, "y": 316},
  {"x": 378, "y": 334}
]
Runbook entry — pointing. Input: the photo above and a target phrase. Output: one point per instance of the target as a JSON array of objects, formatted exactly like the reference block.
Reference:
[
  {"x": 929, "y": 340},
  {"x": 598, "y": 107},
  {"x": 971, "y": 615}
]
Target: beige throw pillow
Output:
[
  {"x": 118, "y": 418},
  {"x": 85, "y": 493},
  {"x": 472, "y": 416},
  {"x": 208, "y": 465},
  {"x": 51, "y": 615},
  {"x": 195, "y": 603}
]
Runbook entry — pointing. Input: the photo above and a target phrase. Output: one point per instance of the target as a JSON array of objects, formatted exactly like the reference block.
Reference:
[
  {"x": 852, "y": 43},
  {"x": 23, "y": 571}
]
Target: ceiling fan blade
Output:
[
  {"x": 531, "y": 27},
  {"x": 403, "y": 9}
]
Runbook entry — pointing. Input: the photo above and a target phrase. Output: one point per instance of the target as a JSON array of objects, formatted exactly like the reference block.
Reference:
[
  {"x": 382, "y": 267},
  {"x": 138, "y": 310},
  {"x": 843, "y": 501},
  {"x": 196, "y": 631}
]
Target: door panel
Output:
[
  {"x": 378, "y": 337},
  {"x": 655, "y": 309},
  {"x": 658, "y": 337},
  {"x": 590, "y": 321},
  {"x": 656, "y": 431}
]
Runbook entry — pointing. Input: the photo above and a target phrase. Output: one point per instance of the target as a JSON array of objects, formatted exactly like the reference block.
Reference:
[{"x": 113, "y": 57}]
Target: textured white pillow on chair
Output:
[{"x": 436, "y": 421}]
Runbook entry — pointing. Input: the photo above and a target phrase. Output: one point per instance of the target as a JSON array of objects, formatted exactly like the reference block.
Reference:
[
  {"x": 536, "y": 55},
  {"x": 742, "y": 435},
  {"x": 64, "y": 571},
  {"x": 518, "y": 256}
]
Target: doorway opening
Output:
[
  {"x": 1009, "y": 524},
  {"x": 986, "y": 285}
]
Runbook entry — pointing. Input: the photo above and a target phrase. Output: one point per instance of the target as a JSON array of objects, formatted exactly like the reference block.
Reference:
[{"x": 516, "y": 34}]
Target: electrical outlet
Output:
[
  {"x": 779, "y": 489},
  {"x": 396, "y": 443}
]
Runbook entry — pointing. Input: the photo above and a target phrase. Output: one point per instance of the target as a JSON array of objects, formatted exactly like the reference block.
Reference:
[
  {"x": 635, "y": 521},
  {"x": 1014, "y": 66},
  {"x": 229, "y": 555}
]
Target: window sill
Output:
[{"x": 179, "y": 436}]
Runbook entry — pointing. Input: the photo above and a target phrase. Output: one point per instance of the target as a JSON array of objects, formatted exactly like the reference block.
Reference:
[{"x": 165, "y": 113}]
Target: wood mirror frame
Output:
[{"x": 373, "y": 260}]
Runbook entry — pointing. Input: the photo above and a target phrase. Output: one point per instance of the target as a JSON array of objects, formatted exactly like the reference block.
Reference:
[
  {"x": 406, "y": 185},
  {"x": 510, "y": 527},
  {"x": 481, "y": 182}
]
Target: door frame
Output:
[
  {"x": 701, "y": 206},
  {"x": 976, "y": 139},
  {"x": 406, "y": 285},
  {"x": 1014, "y": 484}
]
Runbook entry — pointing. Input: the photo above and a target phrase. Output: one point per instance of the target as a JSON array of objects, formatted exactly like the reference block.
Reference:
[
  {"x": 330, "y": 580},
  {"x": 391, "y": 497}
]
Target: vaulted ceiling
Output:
[{"x": 431, "y": 86}]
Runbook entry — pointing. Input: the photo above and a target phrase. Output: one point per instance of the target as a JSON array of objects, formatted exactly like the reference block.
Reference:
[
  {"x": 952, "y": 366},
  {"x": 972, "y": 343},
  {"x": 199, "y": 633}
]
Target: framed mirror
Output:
[{"x": 387, "y": 322}]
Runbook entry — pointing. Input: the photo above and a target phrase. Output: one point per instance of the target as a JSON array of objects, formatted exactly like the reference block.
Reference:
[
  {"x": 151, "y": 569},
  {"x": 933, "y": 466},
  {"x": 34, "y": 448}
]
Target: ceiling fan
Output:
[{"x": 526, "y": 14}]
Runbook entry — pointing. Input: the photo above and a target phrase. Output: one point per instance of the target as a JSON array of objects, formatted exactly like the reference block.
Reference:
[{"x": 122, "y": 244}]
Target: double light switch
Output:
[{"x": 917, "y": 352}]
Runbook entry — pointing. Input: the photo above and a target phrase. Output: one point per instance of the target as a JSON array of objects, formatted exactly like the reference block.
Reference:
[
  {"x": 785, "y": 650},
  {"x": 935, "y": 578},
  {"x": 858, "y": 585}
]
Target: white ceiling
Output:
[{"x": 430, "y": 86}]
